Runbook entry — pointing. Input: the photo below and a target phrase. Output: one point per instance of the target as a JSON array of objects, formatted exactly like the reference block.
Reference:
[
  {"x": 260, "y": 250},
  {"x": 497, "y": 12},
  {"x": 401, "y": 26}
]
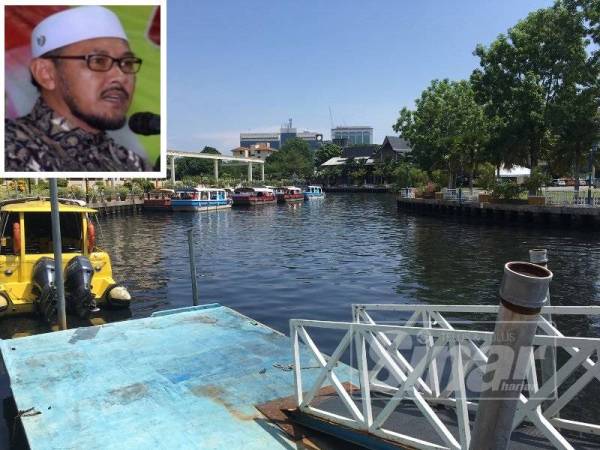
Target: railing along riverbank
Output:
[{"x": 552, "y": 207}]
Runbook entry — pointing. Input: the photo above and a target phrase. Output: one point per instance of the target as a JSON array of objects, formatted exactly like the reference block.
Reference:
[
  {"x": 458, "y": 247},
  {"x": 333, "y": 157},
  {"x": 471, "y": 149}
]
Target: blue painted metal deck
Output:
[{"x": 186, "y": 378}]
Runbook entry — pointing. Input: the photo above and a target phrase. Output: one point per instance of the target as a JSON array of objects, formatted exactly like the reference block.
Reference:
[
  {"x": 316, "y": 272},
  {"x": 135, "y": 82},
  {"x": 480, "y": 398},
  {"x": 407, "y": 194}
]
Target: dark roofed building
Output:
[
  {"x": 359, "y": 151},
  {"x": 392, "y": 149}
]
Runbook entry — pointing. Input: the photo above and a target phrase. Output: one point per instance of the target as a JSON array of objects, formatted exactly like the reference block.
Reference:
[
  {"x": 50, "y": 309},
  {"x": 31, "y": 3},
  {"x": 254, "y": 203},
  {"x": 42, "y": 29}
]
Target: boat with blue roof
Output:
[
  {"x": 314, "y": 193},
  {"x": 200, "y": 199}
]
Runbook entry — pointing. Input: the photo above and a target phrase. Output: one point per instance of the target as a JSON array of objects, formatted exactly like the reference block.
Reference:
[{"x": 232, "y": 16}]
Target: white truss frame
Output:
[{"x": 467, "y": 348}]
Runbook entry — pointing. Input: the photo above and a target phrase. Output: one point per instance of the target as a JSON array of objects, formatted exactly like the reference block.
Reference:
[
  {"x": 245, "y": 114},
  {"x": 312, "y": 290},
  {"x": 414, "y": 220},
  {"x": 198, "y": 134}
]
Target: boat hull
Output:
[
  {"x": 199, "y": 205},
  {"x": 283, "y": 198},
  {"x": 158, "y": 205},
  {"x": 253, "y": 201},
  {"x": 310, "y": 196}
]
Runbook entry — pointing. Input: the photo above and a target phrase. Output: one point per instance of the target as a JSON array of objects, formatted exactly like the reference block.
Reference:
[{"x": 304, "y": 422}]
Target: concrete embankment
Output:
[{"x": 581, "y": 215}]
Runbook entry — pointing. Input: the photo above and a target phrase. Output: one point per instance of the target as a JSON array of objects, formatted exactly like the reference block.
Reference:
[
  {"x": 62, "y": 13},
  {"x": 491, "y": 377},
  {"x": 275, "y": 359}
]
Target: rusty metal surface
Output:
[{"x": 183, "y": 379}]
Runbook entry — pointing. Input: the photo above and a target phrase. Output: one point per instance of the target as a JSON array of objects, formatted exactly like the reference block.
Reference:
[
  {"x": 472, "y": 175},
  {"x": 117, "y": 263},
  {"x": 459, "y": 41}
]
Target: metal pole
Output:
[
  {"x": 216, "y": 169},
  {"x": 173, "y": 170},
  {"x": 57, "y": 247},
  {"x": 591, "y": 167},
  {"x": 250, "y": 172},
  {"x": 539, "y": 256},
  {"x": 262, "y": 172},
  {"x": 523, "y": 291},
  {"x": 193, "y": 266}
]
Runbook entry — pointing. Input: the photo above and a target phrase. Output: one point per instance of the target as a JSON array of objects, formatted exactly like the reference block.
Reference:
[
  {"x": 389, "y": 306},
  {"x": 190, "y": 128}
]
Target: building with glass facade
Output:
[
  {"x": 249, "y": 139},
  {"x": 353, "y": 135},
  {"x": 276, "y": 140}
]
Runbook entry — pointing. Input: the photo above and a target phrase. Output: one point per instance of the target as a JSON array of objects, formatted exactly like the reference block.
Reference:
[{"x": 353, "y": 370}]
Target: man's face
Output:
[{"x": 100, "y": 99}]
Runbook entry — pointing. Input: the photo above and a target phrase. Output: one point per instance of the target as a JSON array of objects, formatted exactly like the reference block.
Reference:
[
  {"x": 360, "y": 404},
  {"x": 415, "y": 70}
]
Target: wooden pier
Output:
[
  {"x": 106, "y": 207},
  {"x": 581, "y": 215}
]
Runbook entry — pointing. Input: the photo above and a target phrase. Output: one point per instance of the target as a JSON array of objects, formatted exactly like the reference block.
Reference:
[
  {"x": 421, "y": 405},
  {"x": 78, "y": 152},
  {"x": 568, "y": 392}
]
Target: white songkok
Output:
[{"x": 74, "y": 25}]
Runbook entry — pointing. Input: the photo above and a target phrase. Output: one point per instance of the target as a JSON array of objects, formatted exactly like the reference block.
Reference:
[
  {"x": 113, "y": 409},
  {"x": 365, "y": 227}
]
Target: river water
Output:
[{"x": 315, "y": 259}]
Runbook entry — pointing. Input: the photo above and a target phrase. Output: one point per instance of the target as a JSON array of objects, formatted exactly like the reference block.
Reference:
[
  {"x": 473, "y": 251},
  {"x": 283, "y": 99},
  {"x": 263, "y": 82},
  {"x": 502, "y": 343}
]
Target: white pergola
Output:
[{"x": 173, "y": 154}]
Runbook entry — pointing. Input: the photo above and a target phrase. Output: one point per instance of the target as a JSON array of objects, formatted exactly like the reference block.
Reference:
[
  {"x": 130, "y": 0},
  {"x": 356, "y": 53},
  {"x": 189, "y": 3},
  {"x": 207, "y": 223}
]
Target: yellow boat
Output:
[{"x": 27, "y": 261}]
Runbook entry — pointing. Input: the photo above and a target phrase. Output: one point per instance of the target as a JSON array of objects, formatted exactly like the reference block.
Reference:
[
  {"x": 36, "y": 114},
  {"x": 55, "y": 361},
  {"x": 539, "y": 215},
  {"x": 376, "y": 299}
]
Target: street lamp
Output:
[{"x": 591, "y": 169}]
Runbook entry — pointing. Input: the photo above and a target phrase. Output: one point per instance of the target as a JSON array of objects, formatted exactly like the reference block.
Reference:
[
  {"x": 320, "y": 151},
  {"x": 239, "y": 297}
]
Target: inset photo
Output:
[{"x": 84, "y": 91}]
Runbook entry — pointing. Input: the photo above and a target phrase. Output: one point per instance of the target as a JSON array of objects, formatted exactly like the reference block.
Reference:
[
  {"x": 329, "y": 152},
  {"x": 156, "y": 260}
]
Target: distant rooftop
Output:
[
  {"x": 353, "y": 128},
  {"x": 274, "y": 135}
]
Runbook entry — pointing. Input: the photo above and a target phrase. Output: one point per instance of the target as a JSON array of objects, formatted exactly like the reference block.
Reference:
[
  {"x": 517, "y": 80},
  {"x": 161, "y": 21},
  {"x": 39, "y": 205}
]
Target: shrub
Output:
[
  {"x": 487, "y": 177},
  {"x": 439, "y": 178},
  {"x": 536, "y": 180},
  {"x": 508, "y": 190}
]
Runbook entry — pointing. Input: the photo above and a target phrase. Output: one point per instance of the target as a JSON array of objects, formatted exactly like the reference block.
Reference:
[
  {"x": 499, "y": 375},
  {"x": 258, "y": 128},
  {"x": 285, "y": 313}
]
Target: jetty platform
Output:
[{"x": 180, "y": 379}]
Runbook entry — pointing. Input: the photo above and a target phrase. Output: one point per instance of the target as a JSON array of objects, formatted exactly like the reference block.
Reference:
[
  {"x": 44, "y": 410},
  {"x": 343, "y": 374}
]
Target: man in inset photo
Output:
[{"x": 85, "y": 72}]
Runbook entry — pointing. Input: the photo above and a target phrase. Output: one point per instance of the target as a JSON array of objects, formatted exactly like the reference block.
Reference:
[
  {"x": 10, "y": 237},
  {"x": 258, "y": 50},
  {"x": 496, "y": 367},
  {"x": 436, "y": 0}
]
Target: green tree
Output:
[
  {"x": 521, "y": 76},
  {"x": 189, "y": 167},
  {"x": 406, "y": 174},
  {"x": 293, "y": 160},
  {"x": 358, "y": 172},
  {"x": 447, "y": 130},
  {"x": 326, "y": 152},
  {"x": 487, "y": 177}
]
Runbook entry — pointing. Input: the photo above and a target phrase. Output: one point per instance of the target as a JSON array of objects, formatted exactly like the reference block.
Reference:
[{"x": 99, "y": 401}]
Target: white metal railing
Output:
[
  {"x": 416, "y": 351},
  {"x": 460, "y": 195},
  {"x": 407, "y": 193},
  {"x": 570, "y": 198}
]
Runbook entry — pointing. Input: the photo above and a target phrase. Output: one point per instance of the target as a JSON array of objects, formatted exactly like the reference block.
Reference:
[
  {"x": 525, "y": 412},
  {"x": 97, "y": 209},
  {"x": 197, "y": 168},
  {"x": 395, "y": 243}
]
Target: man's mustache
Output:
[{"x": 107, "y": 92}]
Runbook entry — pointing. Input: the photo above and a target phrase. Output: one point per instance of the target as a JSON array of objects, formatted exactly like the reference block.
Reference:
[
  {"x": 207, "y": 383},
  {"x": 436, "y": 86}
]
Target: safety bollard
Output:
[{"x": 523, "y": 292}]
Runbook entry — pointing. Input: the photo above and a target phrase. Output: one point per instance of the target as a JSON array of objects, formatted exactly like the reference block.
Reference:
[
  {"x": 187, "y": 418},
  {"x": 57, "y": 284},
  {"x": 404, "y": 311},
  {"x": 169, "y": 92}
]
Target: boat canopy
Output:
[
  {"x": 43, "y": 205},
  {"x": 254, "y": 189}
]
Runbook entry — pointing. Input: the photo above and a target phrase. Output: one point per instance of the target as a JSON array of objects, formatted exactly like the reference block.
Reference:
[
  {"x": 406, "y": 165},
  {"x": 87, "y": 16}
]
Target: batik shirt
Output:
[{"x": 42, "y": 141}]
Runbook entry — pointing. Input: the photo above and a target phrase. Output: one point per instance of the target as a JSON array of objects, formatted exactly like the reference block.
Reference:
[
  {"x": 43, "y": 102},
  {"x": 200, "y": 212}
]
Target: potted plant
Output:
[
  {"x": 122, "y": 193},
  {"x": 108, "y": 194}
]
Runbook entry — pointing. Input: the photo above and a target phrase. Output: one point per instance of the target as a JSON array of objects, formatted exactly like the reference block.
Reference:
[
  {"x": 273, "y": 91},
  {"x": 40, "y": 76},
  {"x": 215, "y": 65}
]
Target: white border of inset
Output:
[{"x": 163, "y": 91}]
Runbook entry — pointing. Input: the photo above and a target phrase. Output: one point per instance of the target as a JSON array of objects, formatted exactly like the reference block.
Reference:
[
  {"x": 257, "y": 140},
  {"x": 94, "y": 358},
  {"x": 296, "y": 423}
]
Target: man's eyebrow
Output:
[{"x": 97, "y": 51}]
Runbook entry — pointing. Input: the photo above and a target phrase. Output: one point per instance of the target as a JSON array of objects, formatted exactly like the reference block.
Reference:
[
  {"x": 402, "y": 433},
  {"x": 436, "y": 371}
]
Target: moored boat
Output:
[
  {"x": 159, "y": 199},
  {"x": 27, "y": 282},
  {"x": 200, "y": 199},
  {"x": 253, "y": 196},
  {"x": 313, "y": 192},
  {"x": 289, "y": 194}
]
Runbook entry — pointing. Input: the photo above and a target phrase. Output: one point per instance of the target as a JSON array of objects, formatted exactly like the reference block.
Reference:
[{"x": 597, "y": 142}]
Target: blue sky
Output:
[{"x": 239, "y": 66}]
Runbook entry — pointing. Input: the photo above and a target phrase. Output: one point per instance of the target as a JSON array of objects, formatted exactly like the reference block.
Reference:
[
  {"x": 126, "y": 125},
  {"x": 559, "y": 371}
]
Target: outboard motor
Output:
[
  {"x": 78, "y": 287},
  {"x": 43, "y": 285}
]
